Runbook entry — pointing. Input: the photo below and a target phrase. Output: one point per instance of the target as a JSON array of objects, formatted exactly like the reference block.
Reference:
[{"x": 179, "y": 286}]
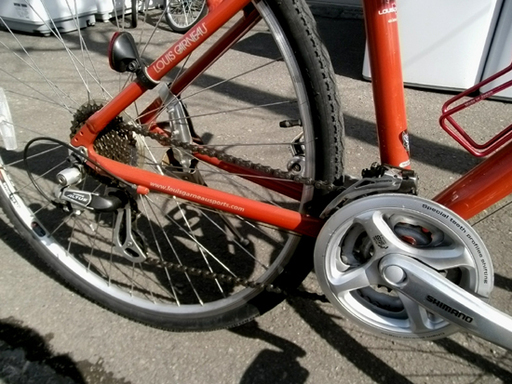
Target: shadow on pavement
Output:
[
  {"x": 271, "y": 366},
  {"x": 282, "y": 366},
  {"x": 345, "y": 40},
  {"x": 346, "y": 345},
  {"x": 422, "y": 150},
  {"x": 25, "y": 357},
  {"x": 371, "y": 365},
  {"x": 475, "y": 359}
]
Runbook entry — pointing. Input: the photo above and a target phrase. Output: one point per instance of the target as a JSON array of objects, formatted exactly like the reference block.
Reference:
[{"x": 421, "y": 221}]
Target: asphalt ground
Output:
[{"x": 300, "y": 341}]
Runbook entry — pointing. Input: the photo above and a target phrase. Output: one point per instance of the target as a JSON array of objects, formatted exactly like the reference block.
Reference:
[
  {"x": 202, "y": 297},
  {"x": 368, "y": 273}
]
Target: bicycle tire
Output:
[
  {"x": 78, "y": 244},
  {"x": 135, "y": 13},
  {"x": 181, "y": 15}
]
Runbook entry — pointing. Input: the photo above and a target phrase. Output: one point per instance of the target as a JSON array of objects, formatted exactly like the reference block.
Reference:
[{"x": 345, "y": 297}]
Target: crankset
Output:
[{"x": 406, "y": 267}]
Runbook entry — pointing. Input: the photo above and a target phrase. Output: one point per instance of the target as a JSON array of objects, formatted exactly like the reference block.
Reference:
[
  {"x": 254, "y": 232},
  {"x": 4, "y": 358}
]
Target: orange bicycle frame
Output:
[
  {"x": 476, "y": 191},
  {"x": 481, "y": 187},
  {"x": 146, "y": 180}
]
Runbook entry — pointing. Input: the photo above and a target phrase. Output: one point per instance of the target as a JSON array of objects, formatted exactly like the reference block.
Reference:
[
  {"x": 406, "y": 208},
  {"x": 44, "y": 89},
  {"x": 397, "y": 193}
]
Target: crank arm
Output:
[{"x": 439, "y": 295}]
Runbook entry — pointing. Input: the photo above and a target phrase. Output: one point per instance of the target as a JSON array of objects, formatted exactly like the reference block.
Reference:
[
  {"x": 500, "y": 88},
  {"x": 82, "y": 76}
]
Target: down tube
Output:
[
  {"x": 219, "y": 200},
  {"x": 481, "y": 187}
]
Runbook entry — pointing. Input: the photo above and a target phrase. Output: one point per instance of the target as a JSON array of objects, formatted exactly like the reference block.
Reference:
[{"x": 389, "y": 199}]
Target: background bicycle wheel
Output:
[{"x": 181, "y": 15}]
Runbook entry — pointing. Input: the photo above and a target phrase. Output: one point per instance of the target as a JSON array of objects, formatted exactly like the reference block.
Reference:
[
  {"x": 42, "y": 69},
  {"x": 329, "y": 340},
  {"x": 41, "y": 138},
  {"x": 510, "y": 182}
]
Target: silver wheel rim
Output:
[{"x": 98, "y": 277}]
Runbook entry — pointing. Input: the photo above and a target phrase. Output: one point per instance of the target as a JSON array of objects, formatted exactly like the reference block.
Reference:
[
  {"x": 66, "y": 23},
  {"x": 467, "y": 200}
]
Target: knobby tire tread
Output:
[{"x": 311, "y": 53}]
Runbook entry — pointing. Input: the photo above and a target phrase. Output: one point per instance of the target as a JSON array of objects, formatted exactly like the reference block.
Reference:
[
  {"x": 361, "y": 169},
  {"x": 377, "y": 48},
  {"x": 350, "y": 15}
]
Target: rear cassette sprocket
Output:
[{"x": 116, "y": 142}]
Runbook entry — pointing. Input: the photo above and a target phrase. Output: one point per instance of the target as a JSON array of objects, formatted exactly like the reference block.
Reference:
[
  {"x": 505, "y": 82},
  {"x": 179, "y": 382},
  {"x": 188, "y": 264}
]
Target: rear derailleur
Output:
[{"x": 128, "y": 242}]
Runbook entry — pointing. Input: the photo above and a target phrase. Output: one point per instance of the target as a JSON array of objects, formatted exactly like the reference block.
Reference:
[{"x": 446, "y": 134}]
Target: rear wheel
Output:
[{"x": 279, "y": 72}]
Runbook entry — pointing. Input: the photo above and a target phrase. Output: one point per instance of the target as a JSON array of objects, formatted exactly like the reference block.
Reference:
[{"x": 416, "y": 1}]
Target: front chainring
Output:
[{"x": 355, "y": 239}]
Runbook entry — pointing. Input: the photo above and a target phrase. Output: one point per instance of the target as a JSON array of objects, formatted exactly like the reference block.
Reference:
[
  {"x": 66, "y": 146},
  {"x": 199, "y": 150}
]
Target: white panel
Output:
[
  {"x": 108, "y": 9},
  {"x": 444, "y": 43},
  {"x": 35, "y": 15},
  {"x": 500, "y": 55}
]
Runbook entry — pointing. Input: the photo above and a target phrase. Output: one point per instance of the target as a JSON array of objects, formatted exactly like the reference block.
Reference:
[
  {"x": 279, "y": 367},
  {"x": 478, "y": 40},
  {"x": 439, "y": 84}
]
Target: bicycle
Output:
[
  {"x": 114, "y": 202},
  {"x": 180, "y": 15}
]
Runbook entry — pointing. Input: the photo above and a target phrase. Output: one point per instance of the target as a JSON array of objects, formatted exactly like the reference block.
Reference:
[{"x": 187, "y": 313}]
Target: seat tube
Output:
[{"x": 387, "y": 81}]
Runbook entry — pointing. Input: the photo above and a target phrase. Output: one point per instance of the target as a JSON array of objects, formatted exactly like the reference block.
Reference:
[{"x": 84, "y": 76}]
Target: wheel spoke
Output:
[{"x": 158, "y": 248}]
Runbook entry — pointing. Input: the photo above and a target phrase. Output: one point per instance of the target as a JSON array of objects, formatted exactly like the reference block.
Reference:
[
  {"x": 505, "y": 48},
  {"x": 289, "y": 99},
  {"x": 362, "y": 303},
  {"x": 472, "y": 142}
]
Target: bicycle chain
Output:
[
  {"x": 114, "y": 140},
  {"x": 210, "y": 152},
  {"x": 276, "y": 173},
  {"x": 120, "y": 140},
  {"x": 198, "y": 272}
]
